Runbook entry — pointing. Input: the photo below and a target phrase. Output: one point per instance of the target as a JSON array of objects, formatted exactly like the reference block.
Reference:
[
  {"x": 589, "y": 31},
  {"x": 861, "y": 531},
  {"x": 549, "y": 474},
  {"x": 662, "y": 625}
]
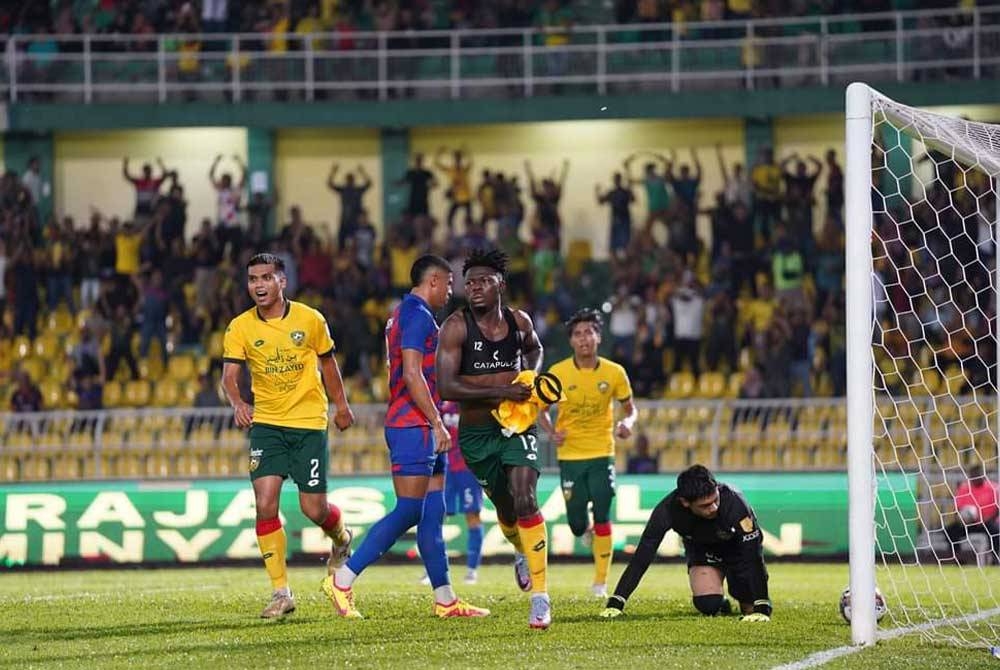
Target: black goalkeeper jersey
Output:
[{"x": 733, "y": 535}]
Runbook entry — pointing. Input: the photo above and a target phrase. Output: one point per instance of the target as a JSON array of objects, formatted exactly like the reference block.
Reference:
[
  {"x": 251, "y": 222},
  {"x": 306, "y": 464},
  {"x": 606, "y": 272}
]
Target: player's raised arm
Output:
[
  {"x": 531, "y": 348},
  {"x": 448, "y": 363},
  {"x": 652, "y": 535}
]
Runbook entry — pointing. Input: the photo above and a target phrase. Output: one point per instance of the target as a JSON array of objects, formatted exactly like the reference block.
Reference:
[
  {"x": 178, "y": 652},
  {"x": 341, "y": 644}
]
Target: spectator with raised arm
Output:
[
  {"x": 547, "y": 194},
  {"x": 352, "y": 193},
  {"x": 619, "y": 201},
  {"x": 229, "y": 196},
  {"x": 459, "y": 193},
  {"x": 147, "y": 188},
  {"x": 655, "y": 183}
]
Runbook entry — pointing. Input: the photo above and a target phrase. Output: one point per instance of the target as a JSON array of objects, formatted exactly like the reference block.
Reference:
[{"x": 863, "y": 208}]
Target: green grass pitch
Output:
[{"x": 207, "y": 618}]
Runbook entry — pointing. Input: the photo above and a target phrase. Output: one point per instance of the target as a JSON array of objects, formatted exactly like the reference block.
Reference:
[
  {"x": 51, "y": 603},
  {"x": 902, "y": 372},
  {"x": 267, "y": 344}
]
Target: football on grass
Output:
[{"x": 845, "y": 605}]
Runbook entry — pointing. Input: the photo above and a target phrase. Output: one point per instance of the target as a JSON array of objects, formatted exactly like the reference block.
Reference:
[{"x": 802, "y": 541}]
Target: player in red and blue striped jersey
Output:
[
  {"x": 418, "y": 443},
  {"x": 462, "y": 493}
]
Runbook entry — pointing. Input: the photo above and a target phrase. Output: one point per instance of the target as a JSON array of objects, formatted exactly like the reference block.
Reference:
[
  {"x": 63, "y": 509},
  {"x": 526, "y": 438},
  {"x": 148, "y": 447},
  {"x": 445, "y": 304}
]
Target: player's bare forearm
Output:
[
  {"x": 531, "y": 351},
  {"x": 631, "y": 413},
  {"x": 333, "y": 382},
  {"x": 230, "y": 383},
  {"x": 545, "y": 422},
  {"x": 416, "y": 384}
]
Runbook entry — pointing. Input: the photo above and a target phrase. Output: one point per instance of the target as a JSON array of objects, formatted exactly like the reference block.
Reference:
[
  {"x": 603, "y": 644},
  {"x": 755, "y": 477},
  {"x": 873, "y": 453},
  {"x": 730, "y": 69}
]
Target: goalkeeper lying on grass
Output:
[{"x": 722, "y": 541}]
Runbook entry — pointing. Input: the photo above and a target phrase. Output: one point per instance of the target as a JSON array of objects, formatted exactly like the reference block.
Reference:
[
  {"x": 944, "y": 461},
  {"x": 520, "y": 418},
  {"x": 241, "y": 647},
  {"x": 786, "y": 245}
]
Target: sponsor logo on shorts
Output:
[
  {"x": 258, "y": 343},
  {"x": 567, "y": 489},
  {"x": 255, "y": 455},
  {"x": 712, "y": 559},
  {"x": 298, "y": 337}
]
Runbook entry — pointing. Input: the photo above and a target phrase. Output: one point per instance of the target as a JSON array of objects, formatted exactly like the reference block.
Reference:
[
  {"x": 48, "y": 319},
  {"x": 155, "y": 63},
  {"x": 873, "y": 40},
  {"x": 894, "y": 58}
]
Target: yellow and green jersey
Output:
[
  {"x": 587, "y": 415},
  {"x": 283, "y": 356}
]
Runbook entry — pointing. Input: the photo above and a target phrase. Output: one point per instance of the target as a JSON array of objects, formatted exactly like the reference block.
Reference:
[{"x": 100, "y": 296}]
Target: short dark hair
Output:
[
  {"x": 267, "y": 259},
  {"x": 425, "y": 263},
  {"x": 585, "y": 315},
  {"x": 482, "y": 258},
  {"x": 695, "y": 483}
]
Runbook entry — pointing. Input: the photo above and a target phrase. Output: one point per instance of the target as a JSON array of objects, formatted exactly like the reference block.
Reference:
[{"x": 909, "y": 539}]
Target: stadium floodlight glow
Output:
[{"x": 922, "y": 276}]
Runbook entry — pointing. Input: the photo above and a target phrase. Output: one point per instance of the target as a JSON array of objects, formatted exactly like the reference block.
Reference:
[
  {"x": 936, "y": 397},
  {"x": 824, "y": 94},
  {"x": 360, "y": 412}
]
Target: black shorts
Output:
[{"x": 735, "y": 569}]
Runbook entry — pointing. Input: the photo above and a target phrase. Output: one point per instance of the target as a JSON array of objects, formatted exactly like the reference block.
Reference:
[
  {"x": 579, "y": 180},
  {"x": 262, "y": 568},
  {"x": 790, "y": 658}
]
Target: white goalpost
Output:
[{"x": 922, "y": 376}]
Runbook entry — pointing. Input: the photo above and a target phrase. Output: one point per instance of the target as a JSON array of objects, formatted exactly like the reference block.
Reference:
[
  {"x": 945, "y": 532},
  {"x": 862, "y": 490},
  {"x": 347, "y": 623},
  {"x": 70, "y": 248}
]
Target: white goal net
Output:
[{"x": 931, "y": 366}]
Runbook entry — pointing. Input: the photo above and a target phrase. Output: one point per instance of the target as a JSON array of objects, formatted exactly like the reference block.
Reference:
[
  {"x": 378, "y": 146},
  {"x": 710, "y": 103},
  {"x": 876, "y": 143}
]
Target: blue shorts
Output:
[
  {"x": 411, "y": 452},
  {"x": 462, "y": 493}
]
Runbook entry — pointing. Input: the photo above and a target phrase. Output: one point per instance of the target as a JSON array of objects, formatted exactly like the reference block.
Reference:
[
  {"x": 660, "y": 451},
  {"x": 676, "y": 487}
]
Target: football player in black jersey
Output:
[
  {"x": 481, "y": 350},
  {"x": 722, "y": 541}
]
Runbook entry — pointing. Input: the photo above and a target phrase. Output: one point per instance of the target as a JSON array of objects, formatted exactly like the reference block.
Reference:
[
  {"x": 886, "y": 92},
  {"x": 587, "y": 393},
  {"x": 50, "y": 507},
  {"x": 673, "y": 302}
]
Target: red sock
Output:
[
  {"x": 268, "y": 526},
  {"x": 332, "y": 518},
  {"x": 531, "y": 521}
]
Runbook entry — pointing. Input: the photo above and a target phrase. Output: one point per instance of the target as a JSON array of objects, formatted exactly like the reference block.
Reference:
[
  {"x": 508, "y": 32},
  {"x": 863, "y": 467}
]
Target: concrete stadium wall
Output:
[
  {"x": 88, "y": 166},
  {"x": 594, "y": 149},
  {"x": 302, "y": 163}
]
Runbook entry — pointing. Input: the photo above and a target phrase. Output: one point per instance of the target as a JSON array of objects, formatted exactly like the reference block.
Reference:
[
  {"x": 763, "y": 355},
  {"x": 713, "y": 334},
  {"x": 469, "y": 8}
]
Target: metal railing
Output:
[
  {"x": 608, "y": 59},
  {"x": 789, "y": 434}
]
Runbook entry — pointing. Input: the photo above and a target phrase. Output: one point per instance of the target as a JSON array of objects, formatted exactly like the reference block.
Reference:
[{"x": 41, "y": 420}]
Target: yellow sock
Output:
[
  {"x": 512, "y": 535},
  {"x": 535, "y": 540},
  {"x": 272, "y": 548},
  {"x": 602, "y": 558}
]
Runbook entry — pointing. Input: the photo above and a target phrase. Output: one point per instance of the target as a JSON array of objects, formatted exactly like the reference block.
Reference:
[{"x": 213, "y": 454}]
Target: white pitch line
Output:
[
  {"x": 823, "y": 657},
  {"x": 122, "y": 592}
]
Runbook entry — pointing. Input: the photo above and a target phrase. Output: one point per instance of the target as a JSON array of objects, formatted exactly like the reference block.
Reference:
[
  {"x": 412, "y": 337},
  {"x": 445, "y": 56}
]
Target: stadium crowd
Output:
[
  {"x": 758, "y": 301},
  {"x": 130, "y": 17}
]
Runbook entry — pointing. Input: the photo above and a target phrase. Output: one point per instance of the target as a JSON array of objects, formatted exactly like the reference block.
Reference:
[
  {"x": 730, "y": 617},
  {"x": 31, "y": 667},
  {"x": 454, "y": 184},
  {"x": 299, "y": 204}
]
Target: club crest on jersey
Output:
[
  {"x": 298, "y": 337},
  {"x": 603, "y": 387},
  {"x": 258, "y": 343},
  {"x": 255, "y": 455},
  {"x": 746, "y": 523}
]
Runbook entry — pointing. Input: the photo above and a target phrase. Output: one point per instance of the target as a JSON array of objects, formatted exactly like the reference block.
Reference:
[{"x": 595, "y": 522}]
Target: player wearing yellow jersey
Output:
[
  {"x": 584, "y": 435},
  {"x": 289, "y": 351}
]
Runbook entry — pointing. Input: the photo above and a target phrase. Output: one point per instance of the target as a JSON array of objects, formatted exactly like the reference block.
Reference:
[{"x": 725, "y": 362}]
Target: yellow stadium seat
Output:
[
  {"x": 112, "y": 394},
  {"x": 35, "y": 367},
  {"x": 167, "y": 394},
  {"x": 22, "y": 347},
  {"x": 60, "y": 321},
  {"x": 48, "y": 346},
  {"x": 711, "y": 385},
  {"x": 681, "y": 385},
  {"x": 181, "y": 367},
  {"x": 53, "y": 395},
  {"x": 137, "y": 393},
  {"x": 734, "y": 385},
  {"x": 214, "y": 345}
]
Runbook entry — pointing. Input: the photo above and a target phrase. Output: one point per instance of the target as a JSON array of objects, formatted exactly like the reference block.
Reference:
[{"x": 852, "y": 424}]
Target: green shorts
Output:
[
  {"x": 587, "y": 481},
  {"x": 487, "y": 452},
  {"x": 299, "y": 453}
]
